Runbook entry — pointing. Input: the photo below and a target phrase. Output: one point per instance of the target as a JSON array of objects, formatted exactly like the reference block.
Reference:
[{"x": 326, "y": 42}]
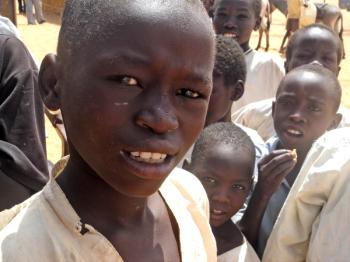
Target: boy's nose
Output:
[
  {"x": 159, "y": 116},
  {"x": 221, "y": 196},
  {"x": 297, "y": 116},
  {"x": 230, "y": 23}
]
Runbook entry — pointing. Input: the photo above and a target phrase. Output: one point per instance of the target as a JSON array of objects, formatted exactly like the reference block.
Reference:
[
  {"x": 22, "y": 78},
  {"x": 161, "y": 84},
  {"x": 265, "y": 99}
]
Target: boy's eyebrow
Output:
[{"x": 317, "y": 100}]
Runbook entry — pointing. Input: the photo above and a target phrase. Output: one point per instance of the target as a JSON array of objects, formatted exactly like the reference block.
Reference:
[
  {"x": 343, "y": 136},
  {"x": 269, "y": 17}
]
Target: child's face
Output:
[
  {"x": 221, "y": 99},
  {"x": 134, "y": 103},
  {"x": 226, "y": 175},
  {"x": 315, "y": 45},
  {"x": 304, "y": 110},
  {"x": 235, "y": 18}
]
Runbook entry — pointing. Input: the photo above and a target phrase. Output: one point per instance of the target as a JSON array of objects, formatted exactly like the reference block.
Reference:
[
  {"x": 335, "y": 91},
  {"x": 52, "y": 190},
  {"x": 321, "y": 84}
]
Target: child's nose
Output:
[
  {"x": 221, "y": 196},
  {"x": 159, "y": 116},
  {"x": 231, "y": 23},
  {"x": 297, "y": 116}
]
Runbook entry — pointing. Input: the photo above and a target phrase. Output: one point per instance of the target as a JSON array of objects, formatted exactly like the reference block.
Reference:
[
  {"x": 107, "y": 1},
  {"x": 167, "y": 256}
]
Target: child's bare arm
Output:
[{"x": 272, "y": 170}]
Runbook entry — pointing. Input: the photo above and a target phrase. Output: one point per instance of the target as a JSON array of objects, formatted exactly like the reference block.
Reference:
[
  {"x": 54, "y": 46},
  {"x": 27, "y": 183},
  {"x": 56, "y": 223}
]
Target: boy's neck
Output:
[
  {"x": 245, "y": 47},
  {"x": 90, "y": 195},
  {"x": 227, "y": 237}
]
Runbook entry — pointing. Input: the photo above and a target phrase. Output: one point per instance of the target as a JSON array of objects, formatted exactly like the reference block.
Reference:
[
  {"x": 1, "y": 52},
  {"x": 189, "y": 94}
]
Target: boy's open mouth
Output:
[
  {"x": 294, "y": 132},
  {"x": 232, "y": 35},
  {"x": 148, "y": 157}
]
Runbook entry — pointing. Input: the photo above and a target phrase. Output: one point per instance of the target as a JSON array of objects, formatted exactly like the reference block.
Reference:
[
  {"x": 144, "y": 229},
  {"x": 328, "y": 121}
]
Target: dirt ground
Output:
[{"x": 42, "y": 39}]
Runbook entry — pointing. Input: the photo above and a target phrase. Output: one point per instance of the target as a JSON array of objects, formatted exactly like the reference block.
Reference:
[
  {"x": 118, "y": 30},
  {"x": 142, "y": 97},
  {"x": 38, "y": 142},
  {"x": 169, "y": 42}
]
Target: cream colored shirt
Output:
[
  {"x": 45, "y": 228},
  {"x": 313, "y": 224},
  {"x": 258, "y": 116},
  {"x": 242, "y": 253},
  {"x": 264, "y": 73}
]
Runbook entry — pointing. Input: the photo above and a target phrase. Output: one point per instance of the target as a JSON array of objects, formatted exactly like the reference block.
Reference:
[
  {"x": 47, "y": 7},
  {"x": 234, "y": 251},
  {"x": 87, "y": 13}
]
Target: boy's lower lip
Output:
[{"x": 153, "y": 171}]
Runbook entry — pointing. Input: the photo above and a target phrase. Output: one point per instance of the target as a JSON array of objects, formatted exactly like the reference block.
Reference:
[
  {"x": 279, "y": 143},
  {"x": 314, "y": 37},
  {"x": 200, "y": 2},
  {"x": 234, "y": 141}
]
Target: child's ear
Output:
[
  {"x": 237, "y": 90},
  {"x": 257, "y": 23},
  {"x": 335, "y": 121},
  {"x": 273, "y": 107},
  {"x": 48, "y": 85}
]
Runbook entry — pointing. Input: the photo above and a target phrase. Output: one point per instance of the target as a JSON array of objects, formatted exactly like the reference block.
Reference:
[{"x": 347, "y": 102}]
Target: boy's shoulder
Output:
[{"x": 257, "y": 58}]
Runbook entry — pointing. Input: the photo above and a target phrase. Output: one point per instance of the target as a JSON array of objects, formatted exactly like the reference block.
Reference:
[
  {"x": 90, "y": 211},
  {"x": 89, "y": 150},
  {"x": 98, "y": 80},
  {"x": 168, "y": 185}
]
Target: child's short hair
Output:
[
  {"x": 87, "y": 20},
  {"x": 222, "y": 133},
  {"x": 229, "y": 60},
  {"x": 332, "y": 80},
  {"x": 294, "y": 38},
  {"x": 256, "y": 6}
]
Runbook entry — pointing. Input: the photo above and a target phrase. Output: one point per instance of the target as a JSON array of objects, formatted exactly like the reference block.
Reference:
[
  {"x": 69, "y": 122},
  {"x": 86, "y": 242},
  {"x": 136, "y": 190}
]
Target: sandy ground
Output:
[{"x": 42, "y": 39}]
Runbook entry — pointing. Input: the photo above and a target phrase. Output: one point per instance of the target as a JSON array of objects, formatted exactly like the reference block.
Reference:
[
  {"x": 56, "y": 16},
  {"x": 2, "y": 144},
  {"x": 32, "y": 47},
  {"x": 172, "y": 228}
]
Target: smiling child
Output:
[
  {"x": 306, "y": 107},
  {"x": 223, "y": 159},
  {"x": 238, "y": 19},
  {"x": 133, "y": 94}
]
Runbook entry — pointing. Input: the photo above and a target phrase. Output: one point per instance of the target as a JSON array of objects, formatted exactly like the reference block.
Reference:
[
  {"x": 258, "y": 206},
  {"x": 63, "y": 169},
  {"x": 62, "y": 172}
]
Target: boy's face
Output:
[
  {"x": 226, "y": 175},
  {"x": 235, "y": 18},
  {"x": 304, "y": 110},
  {"x": 135, "y": 102},
  {"x": 221, "y": 99},
  {"x": 315, "y": 45}
]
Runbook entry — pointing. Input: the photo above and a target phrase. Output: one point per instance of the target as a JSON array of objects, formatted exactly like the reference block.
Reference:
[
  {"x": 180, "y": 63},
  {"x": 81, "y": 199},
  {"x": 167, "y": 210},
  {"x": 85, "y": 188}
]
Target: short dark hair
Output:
[
  {"x": 331, "y": 78},
  {"x": 87, "y": 20},
  {"x": 295, "y": 37},
  {"x": 256, "y": 5},
  {"x": 229, "y": 60},
  {"x": 222, "y": 133}
]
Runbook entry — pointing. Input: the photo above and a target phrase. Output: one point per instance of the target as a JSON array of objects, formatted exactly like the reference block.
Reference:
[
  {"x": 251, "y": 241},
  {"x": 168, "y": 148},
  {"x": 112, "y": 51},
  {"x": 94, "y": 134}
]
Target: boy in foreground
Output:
[
  {"x": 224, "y": 159},
  {"x": 306, "y": 107},
  {"x": 132, "y": 105}
]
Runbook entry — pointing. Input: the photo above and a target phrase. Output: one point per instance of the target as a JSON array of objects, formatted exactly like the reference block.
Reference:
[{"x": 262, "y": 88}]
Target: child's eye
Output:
[
  {"x": 125, "y": 80},
  {"x": 314, "y": 108},
  {"x": 208, "y": 180},
  {"x": 188, "y": 93},
  {"x": 238, "y": 187},
  {"x": 241, "y": 17}
]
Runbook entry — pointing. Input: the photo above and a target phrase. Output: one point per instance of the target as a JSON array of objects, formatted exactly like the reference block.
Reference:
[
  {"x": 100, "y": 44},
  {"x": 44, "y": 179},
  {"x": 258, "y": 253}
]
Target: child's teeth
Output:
[{"x": 148, "y": 157}]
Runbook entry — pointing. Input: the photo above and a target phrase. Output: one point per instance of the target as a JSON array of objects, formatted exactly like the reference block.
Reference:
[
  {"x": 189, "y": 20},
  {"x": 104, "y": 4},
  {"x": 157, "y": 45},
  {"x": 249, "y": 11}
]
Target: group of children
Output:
[{"x": 135, "y": 95}]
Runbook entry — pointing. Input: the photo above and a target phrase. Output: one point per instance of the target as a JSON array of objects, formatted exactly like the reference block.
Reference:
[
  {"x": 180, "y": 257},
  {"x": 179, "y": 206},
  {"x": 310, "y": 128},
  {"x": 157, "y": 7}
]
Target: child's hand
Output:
[{"x": 273, "y": 168}]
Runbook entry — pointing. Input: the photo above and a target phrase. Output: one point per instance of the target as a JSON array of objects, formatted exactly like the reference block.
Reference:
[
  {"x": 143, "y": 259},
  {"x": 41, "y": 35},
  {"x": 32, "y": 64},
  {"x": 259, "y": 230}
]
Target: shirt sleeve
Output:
[{"x": 21, "y": 108}]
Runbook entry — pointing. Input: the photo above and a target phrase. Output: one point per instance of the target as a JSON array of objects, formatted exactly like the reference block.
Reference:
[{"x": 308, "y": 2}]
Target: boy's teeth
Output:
[
  {"x": 148, "y": 157},
  {"x": 294, "y": 132},
  {"x": 217, "y": 212}
]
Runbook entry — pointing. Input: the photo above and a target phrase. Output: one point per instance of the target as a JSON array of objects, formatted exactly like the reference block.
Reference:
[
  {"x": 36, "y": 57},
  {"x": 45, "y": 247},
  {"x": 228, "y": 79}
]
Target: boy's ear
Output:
[
  {"x": 257, "y": 23},
  {"x": 237, "y": 90},
  {"x": 273, "y": 107},
  {"x": 48, "y": 85},
  {"x": 335, "y": 123}
]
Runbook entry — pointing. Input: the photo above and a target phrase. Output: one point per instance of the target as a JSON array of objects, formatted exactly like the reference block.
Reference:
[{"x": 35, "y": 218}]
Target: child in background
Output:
[
  {"x": 237, "y": 19},
  {"x": 306, "y": 107},
  {"x": 313, "y": 44},
  {"x": 223, "y": 159},
  {"x": 228, "y": 86},
  {"x": 313, "y": 224},
  {"x": 132, "y": 105}
]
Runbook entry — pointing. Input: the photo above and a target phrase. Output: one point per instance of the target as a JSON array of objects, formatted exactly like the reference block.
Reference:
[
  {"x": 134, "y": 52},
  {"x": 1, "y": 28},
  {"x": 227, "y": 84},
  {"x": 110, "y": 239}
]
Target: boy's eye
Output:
[
  {"x": 314, "y": 108},
  {"x": 242, "y": 16},
  {"x": 238, "y": 187},
  {"x": 188, "y": 93},
  {"x": 208, "y": 180},
  {"x": 125, "y": 80}
]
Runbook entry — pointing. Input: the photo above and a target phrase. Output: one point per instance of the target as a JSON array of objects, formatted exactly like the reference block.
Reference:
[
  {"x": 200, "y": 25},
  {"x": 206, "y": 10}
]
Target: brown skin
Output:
[
  {"x": 227, "y": 181},
  {"x": 303, "y": 105},
  {"x": 315, "y": 45},
  {"x": 236, "y": 17},
  {"x": 221, "y": 99},
  {"x": 130, "y": 97}
]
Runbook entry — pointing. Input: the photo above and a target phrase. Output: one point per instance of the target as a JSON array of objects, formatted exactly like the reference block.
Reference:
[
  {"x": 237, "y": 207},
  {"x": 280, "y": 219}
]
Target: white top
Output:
[
  {"x": 264, "y": 73},
  {"x": 242, "y": 253}
]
